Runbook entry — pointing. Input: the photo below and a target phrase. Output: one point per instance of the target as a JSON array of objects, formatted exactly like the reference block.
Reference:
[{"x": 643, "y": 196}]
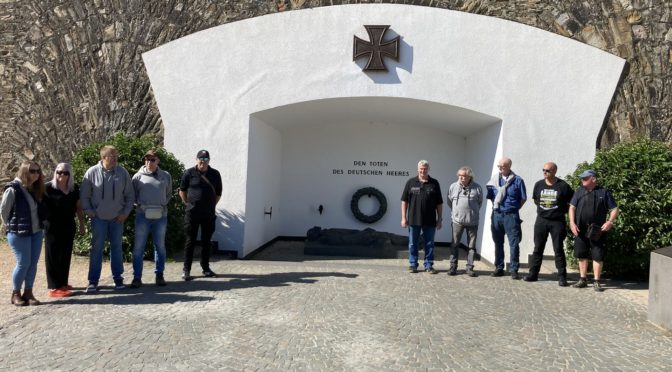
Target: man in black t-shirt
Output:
[
  {"x": 421, "y": 210},
  {"x": 552, "y": 196},
  {"x": 200, "y": 190},
  {"x": 591, "y": 205}
]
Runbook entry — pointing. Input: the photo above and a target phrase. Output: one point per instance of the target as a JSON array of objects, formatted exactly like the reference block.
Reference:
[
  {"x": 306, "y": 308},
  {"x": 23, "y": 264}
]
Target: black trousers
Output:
[
  {"x": 58, "y": 255},
  {"x": 558, "y": 232},
  {"x": 192, "y": 222}
]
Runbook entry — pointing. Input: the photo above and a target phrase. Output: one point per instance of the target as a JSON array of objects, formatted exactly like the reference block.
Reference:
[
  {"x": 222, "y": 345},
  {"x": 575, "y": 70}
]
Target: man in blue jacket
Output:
[{"x": 507, "y": 192}]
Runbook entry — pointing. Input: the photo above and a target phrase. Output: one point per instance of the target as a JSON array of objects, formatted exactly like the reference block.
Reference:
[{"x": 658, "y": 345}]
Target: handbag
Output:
[
  {"x": 594, "y": 232},
  {"x": 153, "y": 212}
]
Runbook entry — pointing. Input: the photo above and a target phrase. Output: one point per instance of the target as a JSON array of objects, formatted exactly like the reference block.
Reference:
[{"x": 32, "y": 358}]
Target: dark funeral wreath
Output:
[{"x": 368, "y": 191}]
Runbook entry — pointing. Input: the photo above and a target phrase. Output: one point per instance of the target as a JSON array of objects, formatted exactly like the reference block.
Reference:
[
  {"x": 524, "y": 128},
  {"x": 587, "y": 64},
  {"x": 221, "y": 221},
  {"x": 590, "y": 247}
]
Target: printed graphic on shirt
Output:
[{"x": 548, "y": 199}]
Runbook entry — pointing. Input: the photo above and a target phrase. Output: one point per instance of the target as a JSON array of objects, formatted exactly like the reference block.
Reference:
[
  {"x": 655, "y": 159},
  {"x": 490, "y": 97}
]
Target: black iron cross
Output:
[{"x": 376, "y": 48}]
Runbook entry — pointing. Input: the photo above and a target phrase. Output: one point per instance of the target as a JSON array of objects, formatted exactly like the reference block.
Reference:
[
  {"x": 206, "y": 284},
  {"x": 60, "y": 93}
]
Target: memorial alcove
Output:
[{"x": 262, "y": 93}]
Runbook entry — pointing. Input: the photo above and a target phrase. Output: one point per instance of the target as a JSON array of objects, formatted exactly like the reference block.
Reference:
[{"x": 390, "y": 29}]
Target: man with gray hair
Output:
[
  {"x": 421, "y": 210},
  {"x": 465, "y": 199},
  {"x": 507, "y": 192}
]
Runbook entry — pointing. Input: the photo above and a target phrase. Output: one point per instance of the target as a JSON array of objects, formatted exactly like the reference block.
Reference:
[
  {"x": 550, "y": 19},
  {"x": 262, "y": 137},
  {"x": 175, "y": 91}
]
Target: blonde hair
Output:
[
  {"x": 66, "y": 167},
  {"x": 107, "y": 149},
  {"x": 23, "y": 174}
]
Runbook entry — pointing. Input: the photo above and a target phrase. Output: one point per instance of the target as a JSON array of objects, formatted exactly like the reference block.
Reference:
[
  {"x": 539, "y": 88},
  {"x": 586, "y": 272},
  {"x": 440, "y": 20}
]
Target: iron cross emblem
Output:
[{"x": 376, "y": 48}]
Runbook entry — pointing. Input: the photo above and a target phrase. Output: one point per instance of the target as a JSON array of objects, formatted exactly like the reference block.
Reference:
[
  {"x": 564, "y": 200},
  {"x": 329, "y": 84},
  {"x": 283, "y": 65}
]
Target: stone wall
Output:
[{"x": 72, "y": 73}]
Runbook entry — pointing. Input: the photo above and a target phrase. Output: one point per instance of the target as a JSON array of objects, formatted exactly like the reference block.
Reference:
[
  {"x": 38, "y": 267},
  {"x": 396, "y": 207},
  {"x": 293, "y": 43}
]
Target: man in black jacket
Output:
[{"x": 200, "y": 190}]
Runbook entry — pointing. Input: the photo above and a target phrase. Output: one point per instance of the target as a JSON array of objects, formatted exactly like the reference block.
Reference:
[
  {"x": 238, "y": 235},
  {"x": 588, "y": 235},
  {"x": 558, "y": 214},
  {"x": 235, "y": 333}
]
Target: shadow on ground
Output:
[{"x": 177, "y": 291}]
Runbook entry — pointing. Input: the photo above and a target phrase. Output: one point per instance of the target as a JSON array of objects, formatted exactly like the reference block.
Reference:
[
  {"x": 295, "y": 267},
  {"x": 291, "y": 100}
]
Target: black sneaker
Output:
[
  {"x": 119, "y": 284},
  {"x": 159, "y": 280},
  {"x": 562, "y": 282},
  {"x": 530, "y": 278},
  {"x": 136, "y": 283},
  {"x": 514, "y": 275},
  {"x": 209, "y": 273},
  {"x": 597, "y": 286},
  {"x": 91, "y": 288},
  {"x": 452, "y": 271},
  {"x": 412, "y": 269},
  {"x": 431, "y": 270},
  {"x": 498, "y": 272},
  {"x": 186, "y": 276},
  {"x": 471, "y": 273},
  {"x": 582, "y": 283}
]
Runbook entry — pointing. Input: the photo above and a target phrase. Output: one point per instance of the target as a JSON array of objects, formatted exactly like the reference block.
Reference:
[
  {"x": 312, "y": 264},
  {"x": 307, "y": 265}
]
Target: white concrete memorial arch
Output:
[{"x": 293, "y": 123}]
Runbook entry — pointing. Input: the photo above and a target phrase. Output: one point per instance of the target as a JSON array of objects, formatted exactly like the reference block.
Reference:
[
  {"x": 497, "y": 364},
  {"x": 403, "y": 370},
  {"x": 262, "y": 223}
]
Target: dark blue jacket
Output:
[{"x": 20, "y": 221}]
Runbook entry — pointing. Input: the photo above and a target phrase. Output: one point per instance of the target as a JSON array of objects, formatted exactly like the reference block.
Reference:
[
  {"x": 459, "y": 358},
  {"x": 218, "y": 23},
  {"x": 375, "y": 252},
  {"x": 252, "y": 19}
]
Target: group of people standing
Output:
[
  {"x": 591, "y": 211},
  {"x": 32, "y": 210}
]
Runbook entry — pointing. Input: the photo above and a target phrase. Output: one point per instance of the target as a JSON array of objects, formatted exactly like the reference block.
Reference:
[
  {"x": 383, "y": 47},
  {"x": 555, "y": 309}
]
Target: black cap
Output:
[{"x": 203, "y": 154}]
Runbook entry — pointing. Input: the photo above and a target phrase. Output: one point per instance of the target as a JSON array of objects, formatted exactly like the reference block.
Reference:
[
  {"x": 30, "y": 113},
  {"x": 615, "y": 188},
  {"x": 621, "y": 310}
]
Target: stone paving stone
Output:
[{"x": 283, "y": 312}]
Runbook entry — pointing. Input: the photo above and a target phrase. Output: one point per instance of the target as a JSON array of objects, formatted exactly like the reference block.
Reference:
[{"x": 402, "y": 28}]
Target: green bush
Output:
[
  {"x": 639, "y": 175},
  {"x": 131, "y": 151}
]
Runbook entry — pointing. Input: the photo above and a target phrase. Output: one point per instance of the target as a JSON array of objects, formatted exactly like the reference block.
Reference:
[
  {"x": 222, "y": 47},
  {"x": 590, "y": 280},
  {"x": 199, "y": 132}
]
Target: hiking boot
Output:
[
  {"x": 412, "y": 269},
  {"x": 186, "y": 276},
  {"x": 530, "y": 278},
  {"x": 597, "y": 286},
  {"x": 209, "y": 273},
  {"x": 514, "y": 275},
  {"x": 17, "y": 299},
  {"x": 119, "y": 284},
  {"x": 582, "y": 283},
  {"x": 431, "y": 270},
  {"x": 497, "y": 273},
  {"x": 136, "y": 283},
  {"x": 159, "y": 280},
  {"x": 91, "y": 288},
  {"x": 470, "y": 272},
  {"x": 562, "y": 281},
  {"x": 453, "y": 271},
  {"x": 30, "y": 298}
]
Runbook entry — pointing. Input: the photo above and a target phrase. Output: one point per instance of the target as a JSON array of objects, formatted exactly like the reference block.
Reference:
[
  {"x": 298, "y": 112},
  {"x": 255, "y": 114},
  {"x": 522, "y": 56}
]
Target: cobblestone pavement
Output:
[{"x": 285, "y": 311}]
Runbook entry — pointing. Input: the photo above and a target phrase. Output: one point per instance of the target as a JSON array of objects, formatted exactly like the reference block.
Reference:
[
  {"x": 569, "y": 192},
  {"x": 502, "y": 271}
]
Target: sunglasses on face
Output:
[
  {"x": 63, "y": 173},
  {"x": 204, "y": 159},
  {"x": 35, "y": 171},
  {"x": 151, "y": 160},
  {"x": 546, "y": 170}
]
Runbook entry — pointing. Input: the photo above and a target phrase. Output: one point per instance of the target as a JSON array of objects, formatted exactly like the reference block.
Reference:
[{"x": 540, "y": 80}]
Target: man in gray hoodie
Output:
[
  {"x": 107, "y": 198},
  {"x": 153, "y": 188},
  {"x": 465, "y": 199}
]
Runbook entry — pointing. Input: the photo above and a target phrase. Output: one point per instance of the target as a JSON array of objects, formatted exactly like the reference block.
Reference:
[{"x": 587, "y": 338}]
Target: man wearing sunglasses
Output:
[
  {"x": 153, "y": 188},
  {"x": 200, "y": 190},
  {"x": 552, "y": 196},
  {"x": 592, "y": 212}
]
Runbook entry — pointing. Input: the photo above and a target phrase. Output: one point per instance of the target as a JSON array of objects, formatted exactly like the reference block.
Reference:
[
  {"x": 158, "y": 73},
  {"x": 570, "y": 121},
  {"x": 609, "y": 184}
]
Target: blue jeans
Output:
[
  {"x": 414, "y": 237},
  {"x": 103, "y": 230},
  {"x": 509, "y": 224},
  {"x": 27, "y": 252},
  {"x": 143, "y": 227}
]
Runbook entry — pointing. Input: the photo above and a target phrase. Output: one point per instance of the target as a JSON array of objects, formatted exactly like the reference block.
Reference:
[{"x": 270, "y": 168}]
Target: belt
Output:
[{"x": 500, "y": 212}]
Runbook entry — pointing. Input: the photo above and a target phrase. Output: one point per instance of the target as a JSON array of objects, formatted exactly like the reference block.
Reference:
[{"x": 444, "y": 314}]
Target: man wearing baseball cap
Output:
[
  {"x": 588, "y": 211},
  {"x": 200, "y": 190}
]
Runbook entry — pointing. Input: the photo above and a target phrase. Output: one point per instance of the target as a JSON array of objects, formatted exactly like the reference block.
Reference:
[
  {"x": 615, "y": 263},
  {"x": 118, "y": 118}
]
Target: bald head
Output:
[{"x": 504, "y": 166}]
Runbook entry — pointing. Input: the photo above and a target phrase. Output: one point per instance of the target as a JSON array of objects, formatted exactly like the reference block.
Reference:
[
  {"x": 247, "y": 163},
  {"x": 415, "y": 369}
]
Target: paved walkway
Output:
[{"x": 285, "y": 311}]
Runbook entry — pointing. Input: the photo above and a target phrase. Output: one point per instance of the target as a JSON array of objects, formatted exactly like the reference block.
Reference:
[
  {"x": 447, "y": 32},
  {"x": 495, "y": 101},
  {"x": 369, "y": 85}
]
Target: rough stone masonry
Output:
[{"x": 71, "y": 71}]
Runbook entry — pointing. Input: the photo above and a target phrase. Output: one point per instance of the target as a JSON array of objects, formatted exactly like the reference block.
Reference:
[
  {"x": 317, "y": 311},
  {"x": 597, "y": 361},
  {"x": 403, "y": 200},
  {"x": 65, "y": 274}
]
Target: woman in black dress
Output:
[{"x": 62, "y": 197}]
